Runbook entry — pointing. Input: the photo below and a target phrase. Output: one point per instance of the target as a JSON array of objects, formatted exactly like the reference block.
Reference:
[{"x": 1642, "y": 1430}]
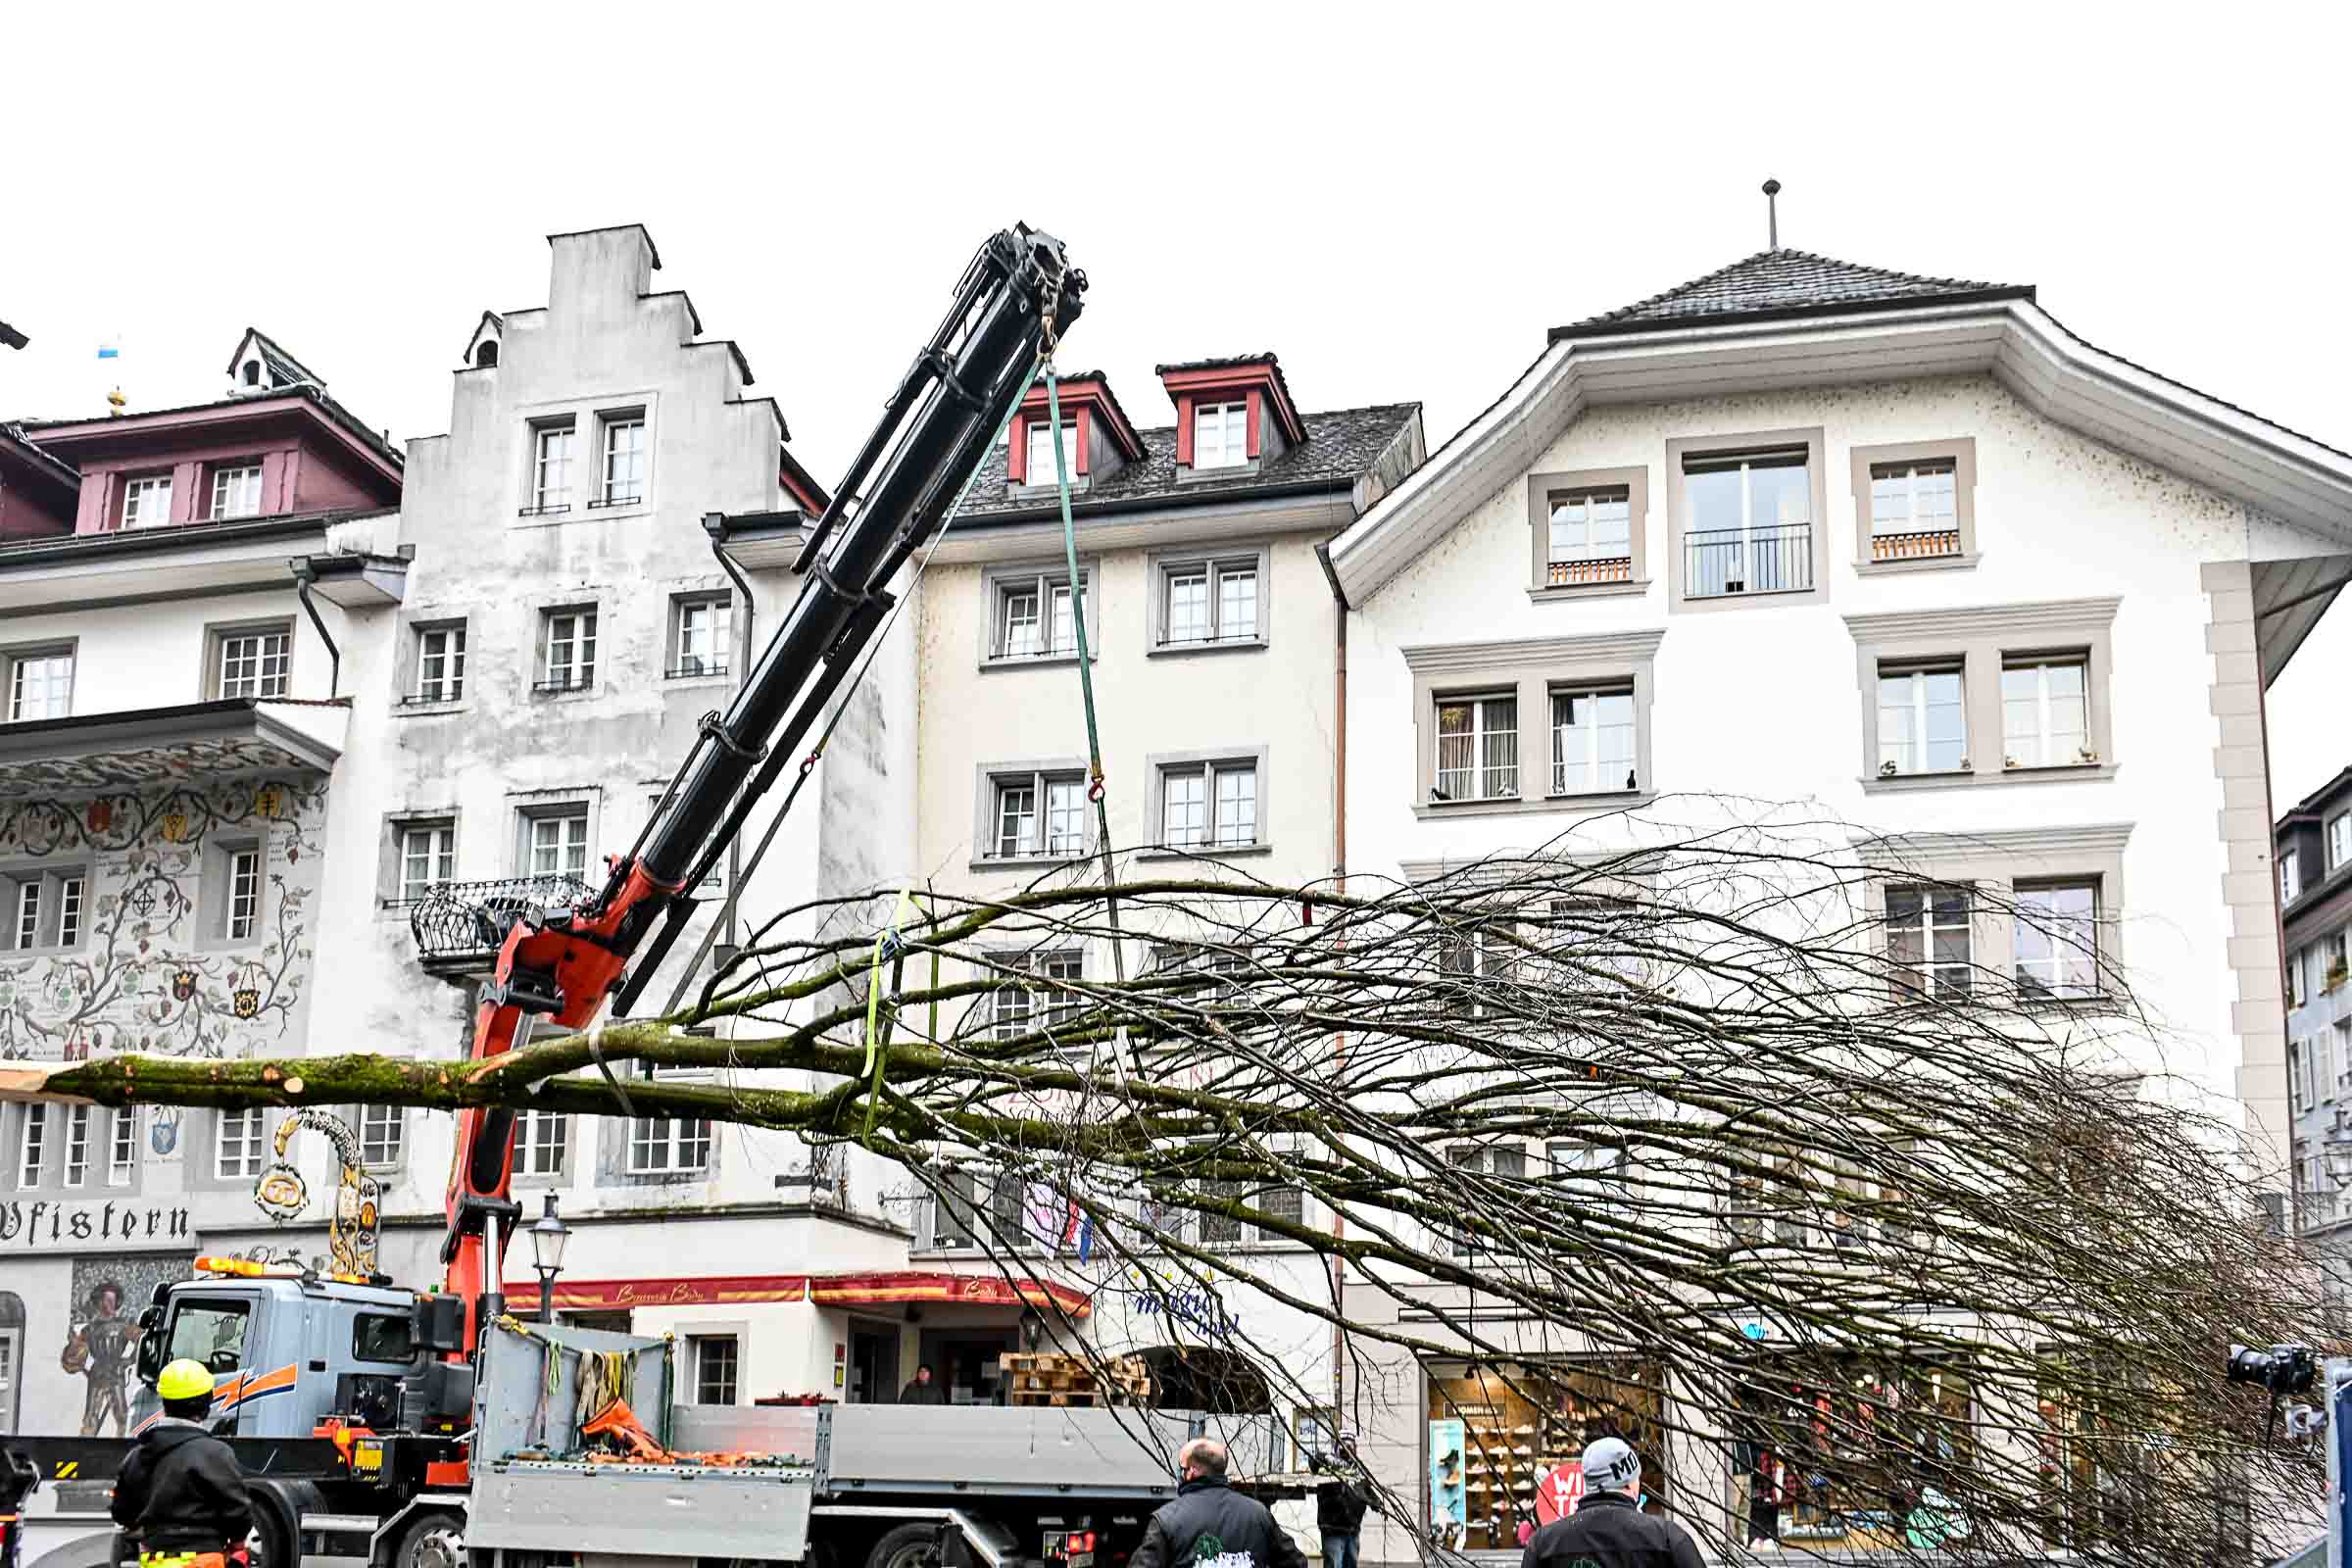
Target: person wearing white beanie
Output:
[{"x": 1608, "y": 1529}]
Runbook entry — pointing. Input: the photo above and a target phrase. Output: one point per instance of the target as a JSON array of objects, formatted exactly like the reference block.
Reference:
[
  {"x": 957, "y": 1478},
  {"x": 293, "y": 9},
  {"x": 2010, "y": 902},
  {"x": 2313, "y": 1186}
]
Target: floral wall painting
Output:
[{"x": 155, "y": 968}]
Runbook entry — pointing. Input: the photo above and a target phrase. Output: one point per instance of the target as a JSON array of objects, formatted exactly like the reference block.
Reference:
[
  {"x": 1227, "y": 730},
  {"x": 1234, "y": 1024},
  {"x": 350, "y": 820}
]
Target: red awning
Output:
[{"x": 877, "y": 1289}]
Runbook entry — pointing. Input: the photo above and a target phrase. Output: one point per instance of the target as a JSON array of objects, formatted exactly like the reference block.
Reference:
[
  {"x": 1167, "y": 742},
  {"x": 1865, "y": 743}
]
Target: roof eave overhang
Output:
[
  {"x": 2266, "y": 468},
  {"x": 110, "y": 437},
  {"x": 1153, "y": 523},
  {"x": 89, "y": 570},
  {"x": 99, "y": 735}
]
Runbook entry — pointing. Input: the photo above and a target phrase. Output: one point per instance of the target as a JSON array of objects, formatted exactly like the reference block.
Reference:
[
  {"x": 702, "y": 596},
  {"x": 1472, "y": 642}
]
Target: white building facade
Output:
[{"x": 1899, "y": 550}]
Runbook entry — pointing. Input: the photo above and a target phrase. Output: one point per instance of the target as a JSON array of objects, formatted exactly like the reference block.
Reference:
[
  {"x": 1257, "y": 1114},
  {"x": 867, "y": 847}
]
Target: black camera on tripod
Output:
[{"x": 2283, "y": 1369}]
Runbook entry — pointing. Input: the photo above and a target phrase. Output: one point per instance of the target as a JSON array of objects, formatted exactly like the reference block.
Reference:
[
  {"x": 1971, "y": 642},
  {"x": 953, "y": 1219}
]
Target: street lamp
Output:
[{"x": 548, "y": 1236}]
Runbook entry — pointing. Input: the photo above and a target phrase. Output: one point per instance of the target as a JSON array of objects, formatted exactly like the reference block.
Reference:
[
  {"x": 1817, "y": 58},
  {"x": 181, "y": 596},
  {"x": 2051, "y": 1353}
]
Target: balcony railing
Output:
[
  {"x": 456, "y": 920},
  {"x": 1915, "y": 546},
  {"x": 1581, "y": 570},
  {"x": 1721, "y": 562}
]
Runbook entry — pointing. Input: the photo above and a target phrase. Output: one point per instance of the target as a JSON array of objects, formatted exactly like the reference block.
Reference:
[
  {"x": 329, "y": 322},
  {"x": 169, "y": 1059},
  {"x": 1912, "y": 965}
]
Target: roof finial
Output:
[{"x": 1772, "y": 211}]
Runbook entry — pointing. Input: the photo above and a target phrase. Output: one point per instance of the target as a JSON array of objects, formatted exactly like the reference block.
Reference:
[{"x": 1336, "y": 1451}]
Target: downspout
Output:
[
  {"x": 1339, "y": 871},
  {"x": 715, "y": 523},
  {"x": 304, "y": 576}
]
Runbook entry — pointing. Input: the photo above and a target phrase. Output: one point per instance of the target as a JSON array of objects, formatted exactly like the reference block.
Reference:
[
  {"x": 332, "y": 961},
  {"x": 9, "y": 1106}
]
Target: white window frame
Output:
[
  {"x": 1914, "y": 714},
  {"x": 45, "y": 675},
  {"x": 1747, "y": 460},
  {"x": 1910, "y": 471},
  {"x": 1048, "y": 592},
  {"x": 2340, "y": 839},
  {"x": 1217, "y": 575},
  {"x": 1038, "y": 467},
  {"x": 237, "y": 492},
  {"x": 1595, "y": 781},
  {"x": 1231, "y": 423},
  {"x": 255, "y": 662},
  {"x": 577, "y": 672},
  {"x": 433, "y": 845},
  {"x": 2296, "y": 993},
  {"x": 2290, "y": 876},
  {"x": 44, "y": 909},
  {"x": 1060, "y": 822},
  {"x": 32, "y": 1145},
  {"x": 144, "y": 497},
  {"x": 383, "y": 1132},
  {"x": 122, "y": 1147},
  {"x": 622, "y": 468},
  {"x": 1479, "y": 1159},
  {"x": 1214, "y": 771},
  {"x": 1927, "y": 982},
  {"x": 1560, "y": 564},
  {"x": 79, "y": 1120},
  {"x": 708, "y": 621},
  {"x": 542, "y": 1143},
  {"x": 248, "y": 1133},
  {"x": 2043, "y": 738},
  {"x": 669, "y": 1145},
  {"x": 1014, "y": 1011},
  {"x": 553, "y": 453},
  {"x": 241, "y": 893},
  {"x": 440, "y": 662},
  {"x": 557, "y": 845},
  {"x": 1483, "y": 728},
  {"x": 2047, "y": 990}
]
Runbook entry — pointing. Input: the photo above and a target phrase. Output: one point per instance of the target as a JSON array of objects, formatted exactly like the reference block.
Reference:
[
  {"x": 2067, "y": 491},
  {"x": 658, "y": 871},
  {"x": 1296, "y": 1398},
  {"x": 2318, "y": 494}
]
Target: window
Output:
[
  {"x": 1033, "y": 615},
  {"x": 147, "y": 503},
  {"x": 1220, "y": 434},
  {"x": 624, "y": 459},
  {"x": 1592, "y": 1172},
  {"x": 251, "y": 662},
  {"x": 428, "y": 858},
  {"x": 1750, "y": 527},
  {"x": 1478, "y": 747},
  {"x": 1208, "y": 602},
  {"x": 541, "y": 1137},
  {"x": 1590, "y": 538},
  {"x": 1041, "y": 468},
  {"x": 42, "y": 907},
  {"x": 1016, "y": 1009},
  {"x": 1592, "y": 741},
  {"x": 40, "y": 684},
  {"x": 1208, "y": 804},
  {"x": 2331, "y": 962},
  {"x": 1038, "y": 815},
  {"x": 555, "y": 843},
  {"x": 568, "y": 644},
  {"x": 212, "y": 1333},
  {"x": 237, "y": 491},
  {"x": 2339, "y": 837},
  {"x": 440, "y": 664},
  {"x": 2296, "y": 962},
  {"x": 1912, "y": 510},
  {"x": 551, "y": 470},
  {"x": 951, "y": 1210},
  {"x": 2290, "y": 876},
  {"x": 1923, "y": 721},
  {"x": 1503, "y": 1160},
  {"x": 241, "y": 912},
  {"x": 33, "y": 1147},
  {"x": 2045, "y": 710},
  {"x": 668, "y": 1145},
  {"x": 2058, "y": 940},
  {"x": 381, "y": 1129},
  {"x": 714, "y": 1368},
  {"x": 381, "y": 1337},
  {"x": 238, "y": 1141},
  {"x": 1928, "y": 940},
  {"x": 122, "y": 1148},
  {"x": 77, "y": 1144},
  {"x": 700, "y": 636}
]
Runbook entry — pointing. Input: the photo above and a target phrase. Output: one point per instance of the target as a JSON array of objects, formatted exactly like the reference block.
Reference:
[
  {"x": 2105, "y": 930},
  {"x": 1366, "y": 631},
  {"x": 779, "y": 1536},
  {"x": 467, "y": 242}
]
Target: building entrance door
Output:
[
  {"x": 873, "y": 1362},
  {"x": 965, "y": 1360}
]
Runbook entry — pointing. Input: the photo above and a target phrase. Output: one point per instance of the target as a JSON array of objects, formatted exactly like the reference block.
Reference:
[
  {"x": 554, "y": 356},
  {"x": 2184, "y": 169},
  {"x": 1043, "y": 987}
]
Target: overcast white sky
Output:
[{"x": 1398, "y": 200}]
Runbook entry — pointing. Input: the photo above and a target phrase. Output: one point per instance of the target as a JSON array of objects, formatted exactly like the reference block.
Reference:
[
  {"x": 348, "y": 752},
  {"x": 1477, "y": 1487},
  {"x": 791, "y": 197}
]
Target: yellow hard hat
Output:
[{"x": 184, "y": 1380}]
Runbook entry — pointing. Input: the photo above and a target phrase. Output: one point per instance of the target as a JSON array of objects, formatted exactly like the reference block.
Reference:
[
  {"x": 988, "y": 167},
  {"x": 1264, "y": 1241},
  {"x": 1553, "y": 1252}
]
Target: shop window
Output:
[
  {"x": 1829, "y": 1439},
  {"x": 1519, "y": 1421}
]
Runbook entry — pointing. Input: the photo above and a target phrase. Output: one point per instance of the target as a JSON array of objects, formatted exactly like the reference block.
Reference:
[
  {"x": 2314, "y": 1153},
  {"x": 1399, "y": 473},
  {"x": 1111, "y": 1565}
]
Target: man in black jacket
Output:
[
  {"x": 180, "y": 1493},
  {"x": 1210, "y": 1525},
  {"x": 924, "y": 1390},
  {"x": 1608, "y": 1529},
  {"x": 1340, "y": 1504}
]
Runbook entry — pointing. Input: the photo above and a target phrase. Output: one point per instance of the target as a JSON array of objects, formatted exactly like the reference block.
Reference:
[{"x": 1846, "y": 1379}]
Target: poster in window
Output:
[{"x": 1449, "y": 1505}]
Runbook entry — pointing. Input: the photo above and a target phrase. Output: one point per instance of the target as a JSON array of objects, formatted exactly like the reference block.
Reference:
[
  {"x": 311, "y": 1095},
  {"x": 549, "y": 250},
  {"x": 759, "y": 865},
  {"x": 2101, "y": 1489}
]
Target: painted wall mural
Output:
[{"x": 154, "y": 969}]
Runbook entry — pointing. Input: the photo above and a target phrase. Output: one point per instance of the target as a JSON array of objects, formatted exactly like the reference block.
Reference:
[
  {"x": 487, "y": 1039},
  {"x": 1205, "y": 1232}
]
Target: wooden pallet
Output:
[{"x": 1052, "y": 1378}]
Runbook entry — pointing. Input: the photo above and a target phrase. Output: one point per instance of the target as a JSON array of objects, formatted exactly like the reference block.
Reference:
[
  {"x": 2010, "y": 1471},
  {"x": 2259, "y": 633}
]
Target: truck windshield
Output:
[{"x": 210, "y": 1331}]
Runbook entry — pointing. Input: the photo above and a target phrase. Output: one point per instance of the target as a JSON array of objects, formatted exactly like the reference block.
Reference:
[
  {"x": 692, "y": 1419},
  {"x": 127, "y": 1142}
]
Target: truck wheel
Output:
[
  {"x": 272, "y": 1543},
  {"x": 435, "y": 1539},
  {"x": 912, "y": 1546}
]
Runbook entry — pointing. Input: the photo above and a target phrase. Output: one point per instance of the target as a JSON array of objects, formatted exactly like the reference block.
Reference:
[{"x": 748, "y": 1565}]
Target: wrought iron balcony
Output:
[
  {"x": 461, "y": 923},
  {"x": 1721, "y": 561}
]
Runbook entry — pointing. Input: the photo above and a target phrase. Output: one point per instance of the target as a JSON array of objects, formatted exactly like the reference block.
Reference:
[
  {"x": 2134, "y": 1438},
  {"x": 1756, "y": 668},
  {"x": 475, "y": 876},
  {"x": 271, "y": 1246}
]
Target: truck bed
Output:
[{"x": 642, "y": 1510}]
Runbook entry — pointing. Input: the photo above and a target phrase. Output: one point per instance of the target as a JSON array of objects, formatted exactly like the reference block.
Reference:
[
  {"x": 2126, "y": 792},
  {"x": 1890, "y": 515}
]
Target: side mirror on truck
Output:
[{"x": 151, "y": 1344}]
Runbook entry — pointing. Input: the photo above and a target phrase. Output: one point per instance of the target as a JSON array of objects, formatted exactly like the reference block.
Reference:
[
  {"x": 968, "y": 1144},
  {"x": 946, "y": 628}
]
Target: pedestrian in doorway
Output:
[
  {"x": 1340, "y": 1504},
  {"x": 1210, "y": 1525},
  {"x": 1608, "y": 1529},
  {"x": 924, "y": 1390}
]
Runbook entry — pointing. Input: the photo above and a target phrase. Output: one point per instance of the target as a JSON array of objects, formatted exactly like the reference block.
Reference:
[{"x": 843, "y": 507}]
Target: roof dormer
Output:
[
  {"x": 259, "y": 367},
  {"x": 481, "y": 349},
  {"x": 1232, "y": 416},
  {"x": 1097, "y": 435}
]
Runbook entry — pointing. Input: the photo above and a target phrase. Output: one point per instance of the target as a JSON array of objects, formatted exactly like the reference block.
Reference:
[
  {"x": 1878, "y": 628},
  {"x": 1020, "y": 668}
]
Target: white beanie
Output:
[{"x": 1610, "y": 1465}]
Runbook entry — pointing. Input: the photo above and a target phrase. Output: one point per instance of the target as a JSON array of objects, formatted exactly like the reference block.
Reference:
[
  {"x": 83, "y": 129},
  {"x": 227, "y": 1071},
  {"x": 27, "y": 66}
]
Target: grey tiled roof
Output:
[
  {"x": 1786, "y": 282},
  {"x": 1340, "y": 445}
]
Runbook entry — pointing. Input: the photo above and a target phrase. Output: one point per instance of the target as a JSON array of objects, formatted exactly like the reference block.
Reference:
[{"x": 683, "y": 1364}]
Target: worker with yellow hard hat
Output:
[{"x": 180, "y": 1493}]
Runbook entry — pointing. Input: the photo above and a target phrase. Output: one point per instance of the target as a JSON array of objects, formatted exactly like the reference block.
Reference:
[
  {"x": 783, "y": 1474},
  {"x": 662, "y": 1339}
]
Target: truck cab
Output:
[{"x": 286, "y": 1349}]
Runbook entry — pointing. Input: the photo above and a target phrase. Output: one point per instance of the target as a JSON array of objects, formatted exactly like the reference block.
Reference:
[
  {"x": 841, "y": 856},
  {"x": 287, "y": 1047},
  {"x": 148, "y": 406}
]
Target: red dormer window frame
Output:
[
  {"x": 1250, "y": 381},
  {"x": 1016, "y": 457}
]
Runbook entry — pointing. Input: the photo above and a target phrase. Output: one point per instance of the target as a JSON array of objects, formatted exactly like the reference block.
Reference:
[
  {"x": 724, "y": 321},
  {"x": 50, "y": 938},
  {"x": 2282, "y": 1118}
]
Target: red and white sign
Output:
[{"x": 1559, "y": 1492}]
